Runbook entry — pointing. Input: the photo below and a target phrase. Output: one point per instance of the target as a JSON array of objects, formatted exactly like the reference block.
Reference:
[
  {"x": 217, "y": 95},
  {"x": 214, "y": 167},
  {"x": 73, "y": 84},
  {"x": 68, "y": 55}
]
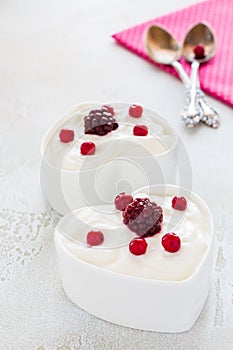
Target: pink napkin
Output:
[{"x": 216, "y": 76}]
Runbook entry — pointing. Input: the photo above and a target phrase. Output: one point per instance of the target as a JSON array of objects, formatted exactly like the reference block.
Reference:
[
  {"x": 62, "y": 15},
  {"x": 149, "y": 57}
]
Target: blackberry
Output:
[
  {"x": 100, "y": 122},
  {"x": 143, "y": 217}
]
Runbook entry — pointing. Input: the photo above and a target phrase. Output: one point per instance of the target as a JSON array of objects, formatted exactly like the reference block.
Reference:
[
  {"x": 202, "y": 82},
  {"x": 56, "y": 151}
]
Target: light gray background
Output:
[{"x": 55, "y": 54}]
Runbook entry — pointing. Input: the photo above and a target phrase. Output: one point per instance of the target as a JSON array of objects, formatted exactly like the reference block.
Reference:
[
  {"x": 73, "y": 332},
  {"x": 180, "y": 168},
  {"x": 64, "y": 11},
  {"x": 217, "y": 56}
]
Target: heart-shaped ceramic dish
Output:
[
  {"x": 170, "y": 303},
  {"x": 122, "y": 162}
]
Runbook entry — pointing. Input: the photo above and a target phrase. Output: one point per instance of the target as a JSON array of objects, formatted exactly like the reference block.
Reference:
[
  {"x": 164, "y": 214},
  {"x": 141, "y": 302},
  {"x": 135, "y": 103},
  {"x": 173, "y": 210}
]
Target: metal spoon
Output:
[
  {"x": 200, "y": 35},
  {"x": 164, "y": 49}
]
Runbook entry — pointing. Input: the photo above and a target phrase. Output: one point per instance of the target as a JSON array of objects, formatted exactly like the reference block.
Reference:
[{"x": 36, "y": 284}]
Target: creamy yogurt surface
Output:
[
  {"x": 191, "y": 225},
  {"x": 118, "y": 143}
]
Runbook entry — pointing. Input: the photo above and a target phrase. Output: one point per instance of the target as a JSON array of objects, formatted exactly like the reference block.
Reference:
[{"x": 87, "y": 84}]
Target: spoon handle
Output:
[
  {"x": 192, "y": 112},
  {"x": 210, "y": 115},
  {"x": 187, "y": 84},
  {"x": 182, "y": 74}
]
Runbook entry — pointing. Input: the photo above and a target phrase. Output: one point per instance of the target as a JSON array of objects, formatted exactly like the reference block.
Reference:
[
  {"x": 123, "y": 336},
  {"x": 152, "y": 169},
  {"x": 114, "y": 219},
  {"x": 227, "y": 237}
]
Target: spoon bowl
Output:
[
  {"x": 200, "y": 34},
  {"x": 161, "y": 46}
]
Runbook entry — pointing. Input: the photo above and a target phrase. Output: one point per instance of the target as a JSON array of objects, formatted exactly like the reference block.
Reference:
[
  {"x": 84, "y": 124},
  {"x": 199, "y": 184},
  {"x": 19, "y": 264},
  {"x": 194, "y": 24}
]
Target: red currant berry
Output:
[
  {"x": 87, "y": 148},
  {"x": 135, "y": 111},
  {"x": 171, "y": 242},
  {"x": 199, "y": 52},
  {"x": 138, "y": 246},
  {"x": 179, "y": 203},
  {"x": 110, "y": 109},
  {"x": 95, "y": 238},
  {"x": 66, "y": 135},
  {"x": 122, "y": 200},
  {"x": 140, "y": 130}
]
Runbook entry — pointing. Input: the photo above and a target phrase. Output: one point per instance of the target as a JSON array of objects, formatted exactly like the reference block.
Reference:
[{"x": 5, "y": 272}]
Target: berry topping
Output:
[
  {"x": 138, "y": 246},
  {"x": 171, "y": 242},
  {"x": 199, "y": 52},
  {"x": 87, "y": 148},
  {"x": 140, "y": 130},
  {"x": 110, "y": 109},
  {"x": 122, "y": 200},
  {"x": 100, "y": 122},
  {"x": 66, "y": 135},
  {"x": 135, "y": 111},
  {"x": 143, "y": 217},
  {"x": 179, "y": 203},
  {"x": 95, "y": 238}
]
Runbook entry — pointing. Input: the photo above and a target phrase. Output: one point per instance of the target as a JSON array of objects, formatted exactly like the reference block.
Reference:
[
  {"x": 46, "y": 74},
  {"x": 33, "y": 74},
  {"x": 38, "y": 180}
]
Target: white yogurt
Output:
[
  {"x": 191, "y": 226},
  {"x": 118, "y": 143},
  {"x": 122, "y": 161}
]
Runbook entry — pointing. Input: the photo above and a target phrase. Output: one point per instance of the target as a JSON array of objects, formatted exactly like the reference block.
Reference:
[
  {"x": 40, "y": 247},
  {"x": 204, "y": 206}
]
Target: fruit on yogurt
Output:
[
  {"x": 138, "y": 246},
  {"x": 110, "y": 109},
  {"x": 179, "y": 203},
  {"x": 66, "y": 135},
  {"x": 100, "y": 122},
  {"x": 143, "y": 217},
  {"x": 122, "y": 200},
  {"x": 87, "y": 148},
  {"x": 140, "y": 130},
  {"x": 135, "y": 111},
  {"x": 95, "y": 238},
  {"x": 171, "y": 242},
  {"x": 199, "y": 52}
]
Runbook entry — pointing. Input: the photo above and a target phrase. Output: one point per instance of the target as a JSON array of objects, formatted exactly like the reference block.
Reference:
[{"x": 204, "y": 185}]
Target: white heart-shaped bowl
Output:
[{"x": 146, "y": 304}]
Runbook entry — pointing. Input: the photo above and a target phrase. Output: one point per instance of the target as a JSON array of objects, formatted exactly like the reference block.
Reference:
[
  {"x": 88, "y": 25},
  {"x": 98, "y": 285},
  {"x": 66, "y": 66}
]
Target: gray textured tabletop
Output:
[{"x": 55, "y": 54}]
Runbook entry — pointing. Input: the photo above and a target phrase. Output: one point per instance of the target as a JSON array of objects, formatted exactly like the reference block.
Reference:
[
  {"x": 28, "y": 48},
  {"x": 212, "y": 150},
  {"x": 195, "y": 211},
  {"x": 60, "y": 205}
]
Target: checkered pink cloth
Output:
[{"x": 216, "y": 76}]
